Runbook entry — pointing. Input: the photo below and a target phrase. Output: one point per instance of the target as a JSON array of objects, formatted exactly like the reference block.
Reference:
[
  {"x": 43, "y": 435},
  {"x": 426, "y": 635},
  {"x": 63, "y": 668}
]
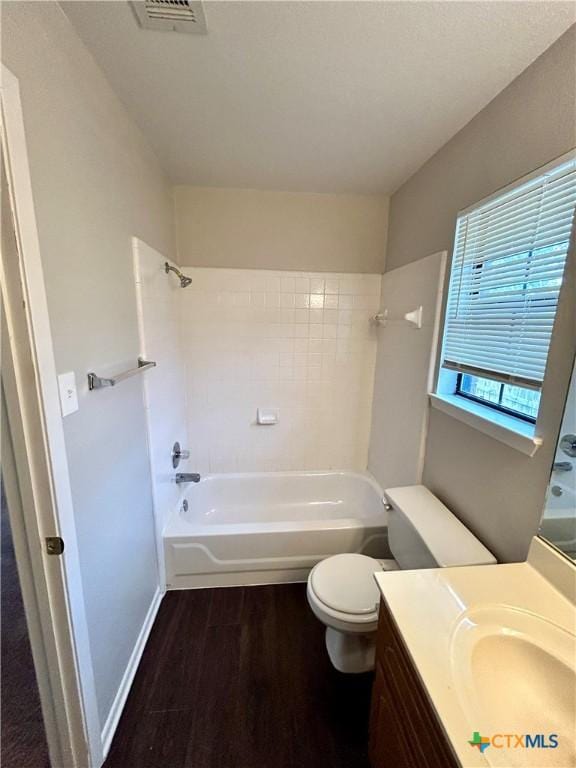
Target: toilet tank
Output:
[{"x": 423, "y": 533}]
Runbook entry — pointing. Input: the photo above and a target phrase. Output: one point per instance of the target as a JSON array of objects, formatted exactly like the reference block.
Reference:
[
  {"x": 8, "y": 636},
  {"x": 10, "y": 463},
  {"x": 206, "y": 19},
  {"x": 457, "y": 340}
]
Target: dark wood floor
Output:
[
  {"x": 23, "y": 741},
  {"x": 240, "y": 678}
]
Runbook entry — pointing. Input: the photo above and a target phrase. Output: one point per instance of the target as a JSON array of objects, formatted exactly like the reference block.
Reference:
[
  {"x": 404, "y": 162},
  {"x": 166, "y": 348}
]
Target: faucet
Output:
[
  {"x": 562, "y": 466},
  {"x": 187, "y": 477}
]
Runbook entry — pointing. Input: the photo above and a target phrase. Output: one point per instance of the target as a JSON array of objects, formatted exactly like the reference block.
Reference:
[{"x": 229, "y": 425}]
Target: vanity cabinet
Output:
[{"x": 404, "y": 729}]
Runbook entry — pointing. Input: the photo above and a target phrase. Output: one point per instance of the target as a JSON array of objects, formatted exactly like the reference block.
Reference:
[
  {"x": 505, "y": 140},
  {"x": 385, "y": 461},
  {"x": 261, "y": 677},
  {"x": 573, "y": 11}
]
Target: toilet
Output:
[{"x": 342, "y": 591}]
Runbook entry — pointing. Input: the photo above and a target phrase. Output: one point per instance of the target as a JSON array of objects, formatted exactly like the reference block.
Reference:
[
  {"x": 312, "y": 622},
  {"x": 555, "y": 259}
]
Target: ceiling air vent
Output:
[{"x": 171, "y": 15}]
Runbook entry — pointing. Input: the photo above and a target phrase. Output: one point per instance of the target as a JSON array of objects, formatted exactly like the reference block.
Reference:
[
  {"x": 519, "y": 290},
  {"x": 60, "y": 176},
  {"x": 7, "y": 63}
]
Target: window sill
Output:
[{"x": 516, "y": 433}]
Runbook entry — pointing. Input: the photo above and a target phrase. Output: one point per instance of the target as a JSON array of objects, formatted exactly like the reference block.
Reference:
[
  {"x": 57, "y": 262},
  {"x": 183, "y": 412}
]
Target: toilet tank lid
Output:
[{"x": 448, "y": 540}]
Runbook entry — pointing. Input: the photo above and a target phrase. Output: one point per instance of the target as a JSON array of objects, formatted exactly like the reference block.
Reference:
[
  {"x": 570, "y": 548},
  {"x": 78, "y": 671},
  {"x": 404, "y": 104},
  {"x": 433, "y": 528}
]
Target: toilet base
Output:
[{"x": 351, "y": 653}]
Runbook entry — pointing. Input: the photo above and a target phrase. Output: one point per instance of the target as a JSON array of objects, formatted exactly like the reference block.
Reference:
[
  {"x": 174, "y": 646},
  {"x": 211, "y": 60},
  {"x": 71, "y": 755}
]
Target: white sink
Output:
[{"x": 513, "y": 673}]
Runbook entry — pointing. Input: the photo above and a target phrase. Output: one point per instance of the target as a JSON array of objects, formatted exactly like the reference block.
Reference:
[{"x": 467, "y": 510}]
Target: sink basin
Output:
[{"x": 514, "y": 674}]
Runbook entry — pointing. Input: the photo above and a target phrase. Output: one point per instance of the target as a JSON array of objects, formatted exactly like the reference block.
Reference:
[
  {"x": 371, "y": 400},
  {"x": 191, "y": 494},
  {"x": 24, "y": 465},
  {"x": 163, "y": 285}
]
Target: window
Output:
[
  {"x": 517, "y": 401},
  {"x": 508, "y": 263}
]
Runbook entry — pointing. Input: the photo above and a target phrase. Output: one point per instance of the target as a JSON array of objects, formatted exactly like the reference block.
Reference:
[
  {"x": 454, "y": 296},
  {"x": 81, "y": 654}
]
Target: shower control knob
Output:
[
  {"x": 178, "y": 454},
  {"x": 568, "y": 445}
]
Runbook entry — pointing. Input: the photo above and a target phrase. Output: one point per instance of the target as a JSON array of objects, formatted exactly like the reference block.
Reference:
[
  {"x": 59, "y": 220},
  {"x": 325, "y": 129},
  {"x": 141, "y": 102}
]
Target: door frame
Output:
[{"x": 52, "y": 585}]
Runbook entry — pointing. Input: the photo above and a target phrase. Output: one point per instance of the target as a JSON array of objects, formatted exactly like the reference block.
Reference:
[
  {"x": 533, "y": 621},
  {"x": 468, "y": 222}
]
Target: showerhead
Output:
[{"x": 184, "y": 281}]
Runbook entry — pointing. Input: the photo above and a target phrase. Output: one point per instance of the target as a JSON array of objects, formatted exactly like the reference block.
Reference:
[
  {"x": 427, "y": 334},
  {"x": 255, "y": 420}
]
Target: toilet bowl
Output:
[
  {"x": 343, "y": 595},
  {"x": 342, "y": 591}
]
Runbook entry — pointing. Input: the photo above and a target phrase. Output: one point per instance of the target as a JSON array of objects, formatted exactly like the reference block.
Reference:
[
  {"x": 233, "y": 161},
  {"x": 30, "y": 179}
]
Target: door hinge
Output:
[{"x": 54, "y": 545}]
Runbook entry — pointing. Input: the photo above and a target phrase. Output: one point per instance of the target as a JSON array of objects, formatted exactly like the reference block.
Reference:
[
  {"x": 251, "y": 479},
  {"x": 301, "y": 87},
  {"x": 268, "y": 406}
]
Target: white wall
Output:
[
  {"x": 297, "y": 342},
  {"x": 95, "y": 184},
  {"x": 406, "y": 359},
  {"x": 159, "y": 297},
  {"x": 258, "y": 229}
]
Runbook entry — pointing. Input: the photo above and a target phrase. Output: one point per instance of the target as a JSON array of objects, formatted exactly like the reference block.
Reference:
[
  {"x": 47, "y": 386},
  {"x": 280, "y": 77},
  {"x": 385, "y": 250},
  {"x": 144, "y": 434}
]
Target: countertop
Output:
[{"x": 430, "y": 606}]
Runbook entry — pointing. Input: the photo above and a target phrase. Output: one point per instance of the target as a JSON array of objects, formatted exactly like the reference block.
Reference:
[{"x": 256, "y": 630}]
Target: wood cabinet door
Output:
[
  {"x": 404, "y": 728},
  {"x": 388, "y": 744}
]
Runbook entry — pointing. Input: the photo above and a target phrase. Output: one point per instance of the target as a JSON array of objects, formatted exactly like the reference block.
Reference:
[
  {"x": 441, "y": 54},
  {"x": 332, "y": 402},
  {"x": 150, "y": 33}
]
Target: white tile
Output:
[
  {"x": 345, "y": 317},
  {"x": 253, "y": 337},
  {"x": 329, "y": 331},
  {"x": 355, "y": 283},
  {"x": 286, "y": 373},
  {"x": 344, "y": 331},
  {"x": 257, "y": 299},
  {"x": 302, "y": 301},
  {"x": 315, "y": 331},
  {"x": 300, "y": 359},
  {"x": 286, "y": 359},
  {"x": 258, "y": 282},
  {"x": 314, "y": 374},
  {"x": 287, "y": 300},
  {"x": 317, "y": 285},
  {"x": 224, "y": 299},
  {"x": 301, "y": 331},
  {"x": 272, "y": 299},
  {"x": 241, "y": 299},
  {"x": 300, "y": 373},
  {"x": 272, "y": 315},
  {"x": 361, "y": 302},
  {"x": 330, "y": 316},
  {"x": 272, "y": 283},
  {"x": 314, "y": 359}
]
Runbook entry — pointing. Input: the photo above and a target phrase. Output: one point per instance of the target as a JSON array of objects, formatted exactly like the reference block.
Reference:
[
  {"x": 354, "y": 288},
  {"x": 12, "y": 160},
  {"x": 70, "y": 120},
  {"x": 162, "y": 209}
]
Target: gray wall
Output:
[
  {"x": 95, "y": 184},
  {"x": 496, "y": 491}
]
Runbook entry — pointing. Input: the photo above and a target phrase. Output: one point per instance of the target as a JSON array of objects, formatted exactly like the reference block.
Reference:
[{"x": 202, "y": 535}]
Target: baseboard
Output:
[{"x": 124, "y": 688}]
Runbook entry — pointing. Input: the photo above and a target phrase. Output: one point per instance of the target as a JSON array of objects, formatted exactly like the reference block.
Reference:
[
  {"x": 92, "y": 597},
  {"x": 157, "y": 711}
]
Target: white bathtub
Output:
[{"x": 267, "y": 528}]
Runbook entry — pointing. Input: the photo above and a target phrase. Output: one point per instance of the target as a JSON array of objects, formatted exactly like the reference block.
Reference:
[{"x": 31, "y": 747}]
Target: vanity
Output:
[
  {"x": 476, "y": 665},
  {"x": 480, "y": 652},
  {"x": 405, "y": 731}
]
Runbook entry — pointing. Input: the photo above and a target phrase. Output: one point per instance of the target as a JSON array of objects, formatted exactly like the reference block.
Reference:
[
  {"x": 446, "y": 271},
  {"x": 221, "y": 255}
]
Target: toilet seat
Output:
[
  {"x": 345, "y": 622},
  {"x": 358, "y": 570},
  {"x": 345, "y": 584}
]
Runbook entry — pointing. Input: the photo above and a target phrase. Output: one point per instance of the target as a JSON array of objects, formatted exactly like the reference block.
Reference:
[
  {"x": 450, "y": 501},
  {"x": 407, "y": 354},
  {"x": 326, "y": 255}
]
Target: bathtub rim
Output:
[
  {"x": 177, "y": 526},
  {"x": 364, "y": 475}
]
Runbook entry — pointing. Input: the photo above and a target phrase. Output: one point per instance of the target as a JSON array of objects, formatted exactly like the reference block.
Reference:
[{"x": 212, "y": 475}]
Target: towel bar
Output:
[{"x": 98, "y": 382}]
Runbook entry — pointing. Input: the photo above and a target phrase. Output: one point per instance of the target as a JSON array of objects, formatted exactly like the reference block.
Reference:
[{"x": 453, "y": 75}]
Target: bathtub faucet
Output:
[{"x": 187, "y": 477}]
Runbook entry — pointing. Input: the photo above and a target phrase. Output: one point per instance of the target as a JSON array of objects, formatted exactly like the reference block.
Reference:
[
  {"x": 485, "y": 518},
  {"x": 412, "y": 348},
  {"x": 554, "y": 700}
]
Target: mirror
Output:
[{"x": 559, "y": 520}]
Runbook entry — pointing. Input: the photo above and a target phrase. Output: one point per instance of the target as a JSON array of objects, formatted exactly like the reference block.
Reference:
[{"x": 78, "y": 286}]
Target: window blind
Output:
[{"x": 507, "y": 268}]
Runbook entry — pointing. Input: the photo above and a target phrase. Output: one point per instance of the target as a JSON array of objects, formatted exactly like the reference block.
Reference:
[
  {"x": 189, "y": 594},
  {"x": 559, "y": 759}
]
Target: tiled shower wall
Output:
[{"x": 297, "y": 342}]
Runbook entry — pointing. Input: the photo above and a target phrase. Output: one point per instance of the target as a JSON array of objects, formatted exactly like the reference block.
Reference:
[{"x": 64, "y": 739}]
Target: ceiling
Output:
[{"x": 316, "y": 96}]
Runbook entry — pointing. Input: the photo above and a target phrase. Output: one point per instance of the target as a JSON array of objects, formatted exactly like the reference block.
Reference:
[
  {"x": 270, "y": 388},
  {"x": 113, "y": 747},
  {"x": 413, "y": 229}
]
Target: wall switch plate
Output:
[{"x": 68, "y": 393}]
